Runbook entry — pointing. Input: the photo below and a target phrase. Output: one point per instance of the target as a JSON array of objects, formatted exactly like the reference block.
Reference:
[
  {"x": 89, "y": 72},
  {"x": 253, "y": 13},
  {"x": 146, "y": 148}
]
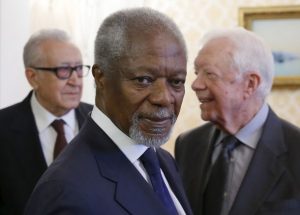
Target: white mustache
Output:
[{"x": 160, "y": 113}]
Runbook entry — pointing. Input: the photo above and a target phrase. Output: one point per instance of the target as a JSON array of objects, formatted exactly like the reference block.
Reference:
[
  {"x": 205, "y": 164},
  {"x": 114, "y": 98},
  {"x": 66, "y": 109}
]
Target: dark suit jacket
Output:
[
  {"x": 272, "y": 182},
  {"x": 92, "y": 176},
  {"x": 21, "y": 158}
]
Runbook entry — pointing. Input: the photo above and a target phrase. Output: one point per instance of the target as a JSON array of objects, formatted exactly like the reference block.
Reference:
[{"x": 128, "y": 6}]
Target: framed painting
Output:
[{"x": 280, "y": 28}]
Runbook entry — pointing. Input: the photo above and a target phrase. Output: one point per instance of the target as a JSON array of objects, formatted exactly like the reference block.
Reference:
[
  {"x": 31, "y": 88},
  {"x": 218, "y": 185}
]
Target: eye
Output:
[
  {"x": 177, "y": 83},
  {"x": 210, "y": 74},
  {"x": 196, "y": 70},
  {"x": 63, "y": 71},
  {"x": 78, "y": 68},
  {"x": 144, "y": 80}
]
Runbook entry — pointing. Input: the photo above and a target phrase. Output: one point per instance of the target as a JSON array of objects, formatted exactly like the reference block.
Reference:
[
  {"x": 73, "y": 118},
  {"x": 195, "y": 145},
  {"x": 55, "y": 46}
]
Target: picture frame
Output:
[{"x": 279, "y": 26}]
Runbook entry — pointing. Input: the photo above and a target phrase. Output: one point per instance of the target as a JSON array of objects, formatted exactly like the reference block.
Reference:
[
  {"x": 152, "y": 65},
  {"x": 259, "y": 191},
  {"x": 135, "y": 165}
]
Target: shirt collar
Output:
[
  {"x": 128, "y": 146},
  {"x": 251, "y": 132},
  {"x": 44, "y": 118}
]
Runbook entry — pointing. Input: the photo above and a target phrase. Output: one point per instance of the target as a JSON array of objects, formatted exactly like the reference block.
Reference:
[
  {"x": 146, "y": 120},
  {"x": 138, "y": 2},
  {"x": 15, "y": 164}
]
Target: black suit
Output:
[
  {"x": 21, "y": 157},
  {"x": 272, "y": 181},
  {"x": 92, "y": 176}
]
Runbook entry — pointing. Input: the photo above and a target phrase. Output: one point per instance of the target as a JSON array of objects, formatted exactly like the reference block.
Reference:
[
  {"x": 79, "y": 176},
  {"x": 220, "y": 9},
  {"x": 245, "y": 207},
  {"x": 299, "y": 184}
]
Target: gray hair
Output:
[
  {"x": 32, "y": 53},
  {"x": 113, "y": 39},
  {"x": 250, "y": 54}
]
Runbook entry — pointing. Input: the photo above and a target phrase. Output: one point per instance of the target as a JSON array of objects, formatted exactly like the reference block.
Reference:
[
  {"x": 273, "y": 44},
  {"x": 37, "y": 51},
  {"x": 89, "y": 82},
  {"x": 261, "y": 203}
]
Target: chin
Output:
[
  {"x": 154, "y": 142},
  {"x": 150, "y": 140},
  {"x": 205, "y": 117},
  {"x": 208, "y": 115},
  {"x": 72, "y": 104}
]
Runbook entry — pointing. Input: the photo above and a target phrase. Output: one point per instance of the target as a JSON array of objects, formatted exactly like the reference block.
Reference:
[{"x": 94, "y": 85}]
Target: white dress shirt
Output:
[
  {"x": 47, "y": 134},
  {"x": 130, "y": 149}
]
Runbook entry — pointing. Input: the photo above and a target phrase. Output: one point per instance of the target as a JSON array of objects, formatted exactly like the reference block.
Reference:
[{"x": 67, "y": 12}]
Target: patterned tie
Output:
[
  {"x": 215, "y": 191},
  {"x": 61, "y": 141},
  {"x": 151, "y": 164}
]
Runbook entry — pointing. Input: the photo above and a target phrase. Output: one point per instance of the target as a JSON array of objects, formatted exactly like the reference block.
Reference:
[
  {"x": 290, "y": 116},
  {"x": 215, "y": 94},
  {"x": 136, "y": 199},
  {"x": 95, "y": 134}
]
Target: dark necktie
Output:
[
  {"x": 215, "y": 190},
  {"x": 151, "y": 164},
  {"x": 61, "y": 141}
]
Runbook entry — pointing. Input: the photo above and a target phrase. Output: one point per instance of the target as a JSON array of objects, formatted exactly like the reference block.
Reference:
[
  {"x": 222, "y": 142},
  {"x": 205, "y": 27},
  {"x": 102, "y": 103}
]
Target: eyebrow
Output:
[{"x": 68, "y": 63}]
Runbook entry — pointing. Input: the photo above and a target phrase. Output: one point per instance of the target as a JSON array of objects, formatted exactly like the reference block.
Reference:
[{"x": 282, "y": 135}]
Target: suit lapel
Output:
[
  {"x": 25, "y": 144},
  {"x": 264, "y": 169},
  {"x": 27, "y": 147},
  {"x": 81, "y": 114},
  {"x": 213, "y": 135},
  {"x": 167, "y": 165},
  {"x": 202, "y": 176},
  {"x": 132, "y": 192},
  {"x": 142, "y": 199},
  {"x": 202, "y": 140}
]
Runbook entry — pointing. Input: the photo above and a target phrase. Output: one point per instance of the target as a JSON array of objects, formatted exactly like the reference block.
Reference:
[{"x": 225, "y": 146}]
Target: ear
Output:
[
  {"x": 253, "y": 81},
  {"x": 98, "y": 76},
  {"x": 31, "y": 76}
]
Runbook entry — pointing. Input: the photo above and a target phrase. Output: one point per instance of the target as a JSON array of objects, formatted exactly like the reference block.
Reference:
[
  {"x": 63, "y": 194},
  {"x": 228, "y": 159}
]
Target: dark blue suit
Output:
[
  {"x": 271, "y": 185},
  {"x": 21, "y": 157},
  {"x": 92, "y": 176}
]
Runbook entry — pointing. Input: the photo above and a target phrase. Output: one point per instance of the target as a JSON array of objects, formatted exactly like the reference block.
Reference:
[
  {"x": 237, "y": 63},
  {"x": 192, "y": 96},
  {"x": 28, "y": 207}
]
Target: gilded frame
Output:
[{"x": 249, "y": 15}]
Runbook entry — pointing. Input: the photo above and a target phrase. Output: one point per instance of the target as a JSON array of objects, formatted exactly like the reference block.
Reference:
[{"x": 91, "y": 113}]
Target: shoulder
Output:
[
  {"x": 17, "y": 108},
  {"x": 190, "y": 144},
  {"x": 291, "y": 135},
  {"x": 78, "y": 158},
  {"x": 85, "y": 107},
  {"x": 290, "y": 128},
  {"x": 61, "y": 198},
  {"x": 74, "y": 162},
  {"x": 10, "y": 110},
  {"x": 279, "y": 126},
  {"x": 164, "y": 154},
  {"x": 166, "y": 160},
  {"x": 82, "y": 112},
  {"x": 12, "y": 116},
  {"x": 195, "y": 133}
]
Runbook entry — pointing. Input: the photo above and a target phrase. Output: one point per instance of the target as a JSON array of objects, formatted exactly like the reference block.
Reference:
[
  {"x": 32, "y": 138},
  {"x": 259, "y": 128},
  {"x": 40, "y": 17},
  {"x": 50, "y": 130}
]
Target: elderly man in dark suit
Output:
[
  {"x": 115, "y": 165},
  {"x": 246, "y": 160},
  {"x": 28, "y": 141}
]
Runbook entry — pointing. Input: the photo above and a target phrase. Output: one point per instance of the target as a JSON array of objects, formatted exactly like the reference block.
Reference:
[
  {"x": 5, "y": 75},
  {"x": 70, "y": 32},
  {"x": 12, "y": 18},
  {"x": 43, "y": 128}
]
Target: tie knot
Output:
[
  {"x": 229, "y": 143},
  {"x": 58, "y": 126},
  {"x": 150, "y": 161}
]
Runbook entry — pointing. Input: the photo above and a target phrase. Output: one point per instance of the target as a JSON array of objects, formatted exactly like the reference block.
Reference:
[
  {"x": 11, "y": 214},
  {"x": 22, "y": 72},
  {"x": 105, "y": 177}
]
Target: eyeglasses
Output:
[{"x": 65, "y": 72}]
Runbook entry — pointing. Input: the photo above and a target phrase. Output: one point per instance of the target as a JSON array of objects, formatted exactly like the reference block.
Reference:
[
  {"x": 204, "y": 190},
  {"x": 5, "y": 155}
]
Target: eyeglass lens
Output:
[{"x": 66, "y": 72}]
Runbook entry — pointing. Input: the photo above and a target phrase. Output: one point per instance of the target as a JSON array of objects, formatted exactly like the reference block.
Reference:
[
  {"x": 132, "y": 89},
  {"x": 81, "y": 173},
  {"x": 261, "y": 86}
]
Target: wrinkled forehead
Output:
[
  {"x": 58, "y": 52},
  {"x": 218, "y": 44},
  {"x": 162, "y": 44},
  {"x": 218, "y": 49}
]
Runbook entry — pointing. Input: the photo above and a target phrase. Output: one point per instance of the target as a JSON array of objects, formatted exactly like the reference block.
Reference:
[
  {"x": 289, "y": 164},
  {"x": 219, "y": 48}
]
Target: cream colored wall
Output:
[
  {"x": 14, "y": 31},
  {"x": 195, "y": 17}
]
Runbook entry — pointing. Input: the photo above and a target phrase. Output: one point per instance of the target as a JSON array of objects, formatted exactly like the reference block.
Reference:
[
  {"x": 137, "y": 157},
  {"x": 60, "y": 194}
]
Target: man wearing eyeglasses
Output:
[{"x": 34, "y": 131}]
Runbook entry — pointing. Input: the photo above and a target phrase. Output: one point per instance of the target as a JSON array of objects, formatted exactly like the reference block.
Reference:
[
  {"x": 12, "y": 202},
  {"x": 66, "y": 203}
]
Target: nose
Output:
[
  {"x": 161, "y": 94},
  {"x": 74, "y": 78},
  {"x": 198, "y": 83}
]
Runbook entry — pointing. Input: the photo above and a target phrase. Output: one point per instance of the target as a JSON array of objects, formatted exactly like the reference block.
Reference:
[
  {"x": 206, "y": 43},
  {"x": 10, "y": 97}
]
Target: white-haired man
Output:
[
  {"x": 246, "y": 160},
  {"x": 29, "y": 141}
]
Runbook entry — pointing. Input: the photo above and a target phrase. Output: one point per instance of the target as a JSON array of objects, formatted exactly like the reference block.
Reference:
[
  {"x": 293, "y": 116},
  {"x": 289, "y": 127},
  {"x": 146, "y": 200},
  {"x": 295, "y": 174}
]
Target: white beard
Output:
[{"x": 137, "y": 135}]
